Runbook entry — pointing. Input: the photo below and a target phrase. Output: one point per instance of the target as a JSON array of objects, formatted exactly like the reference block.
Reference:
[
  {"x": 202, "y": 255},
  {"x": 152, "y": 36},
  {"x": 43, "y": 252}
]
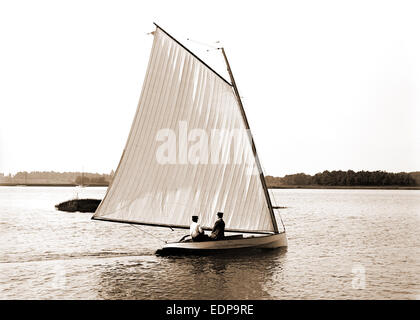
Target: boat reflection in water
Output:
[{"x": 242, "y": 275}]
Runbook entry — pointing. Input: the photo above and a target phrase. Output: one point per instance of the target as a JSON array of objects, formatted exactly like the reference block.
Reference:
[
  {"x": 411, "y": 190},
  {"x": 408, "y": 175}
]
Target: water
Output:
[{"x": 343, "y": 244}]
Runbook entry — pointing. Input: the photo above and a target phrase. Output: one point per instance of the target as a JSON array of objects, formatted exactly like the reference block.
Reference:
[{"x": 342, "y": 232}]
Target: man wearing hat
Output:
[{"x": 218, "y": 231}]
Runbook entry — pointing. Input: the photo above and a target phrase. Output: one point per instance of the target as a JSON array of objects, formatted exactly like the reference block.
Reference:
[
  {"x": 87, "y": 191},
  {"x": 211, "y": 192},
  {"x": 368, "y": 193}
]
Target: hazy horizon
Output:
[{"x": 265, "y": 173}]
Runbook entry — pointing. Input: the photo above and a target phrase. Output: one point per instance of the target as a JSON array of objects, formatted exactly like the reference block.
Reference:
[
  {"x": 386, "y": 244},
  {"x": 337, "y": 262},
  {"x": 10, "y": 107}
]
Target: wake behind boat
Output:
[{"x": 190, "y": 152}]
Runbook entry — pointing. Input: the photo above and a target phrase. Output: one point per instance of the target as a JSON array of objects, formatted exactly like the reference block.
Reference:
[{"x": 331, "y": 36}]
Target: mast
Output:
[{"x": 254, "y": 149}]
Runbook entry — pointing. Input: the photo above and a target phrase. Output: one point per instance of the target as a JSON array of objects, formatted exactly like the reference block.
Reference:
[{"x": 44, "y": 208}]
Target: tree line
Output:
[
  {"x": 347, "y": 178},
  {"x": 326, "y": 178},
  {"x": 52, "y": 177}
]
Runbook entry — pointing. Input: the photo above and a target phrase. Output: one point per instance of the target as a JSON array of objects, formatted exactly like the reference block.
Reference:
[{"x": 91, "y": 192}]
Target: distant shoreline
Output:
[
  {"x": 344, "y": 187},
  {"x": 269, "y": 187}
]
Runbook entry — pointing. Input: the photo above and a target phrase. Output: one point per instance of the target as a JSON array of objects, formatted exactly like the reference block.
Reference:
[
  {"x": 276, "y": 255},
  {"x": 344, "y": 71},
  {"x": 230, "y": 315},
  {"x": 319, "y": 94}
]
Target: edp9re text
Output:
[{"x": 232, "y": 309}]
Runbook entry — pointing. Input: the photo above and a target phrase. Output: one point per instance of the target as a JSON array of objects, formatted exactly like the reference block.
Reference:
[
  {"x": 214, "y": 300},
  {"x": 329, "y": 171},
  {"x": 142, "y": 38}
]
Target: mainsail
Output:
[{"x": 161, "y": 181}]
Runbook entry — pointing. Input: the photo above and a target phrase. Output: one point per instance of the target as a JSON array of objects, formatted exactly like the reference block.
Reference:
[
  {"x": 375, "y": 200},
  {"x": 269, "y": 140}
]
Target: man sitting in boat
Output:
[
  {"x": 218, "y": 232},
  {"x": 196, "y": 233}
]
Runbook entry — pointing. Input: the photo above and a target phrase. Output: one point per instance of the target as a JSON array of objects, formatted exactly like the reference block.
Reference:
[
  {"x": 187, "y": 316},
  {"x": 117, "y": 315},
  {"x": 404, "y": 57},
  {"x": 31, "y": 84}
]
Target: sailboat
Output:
[{"x": 160, "y": 181}]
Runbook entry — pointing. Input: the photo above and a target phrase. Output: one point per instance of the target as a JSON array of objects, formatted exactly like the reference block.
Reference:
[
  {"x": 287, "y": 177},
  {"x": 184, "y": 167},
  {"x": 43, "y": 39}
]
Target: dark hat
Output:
[
  {"x": 194, "y": 218},
  {"x": 220, "y": 214}
]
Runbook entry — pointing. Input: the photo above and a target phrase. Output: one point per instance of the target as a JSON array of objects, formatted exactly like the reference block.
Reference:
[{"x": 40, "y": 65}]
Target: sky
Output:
[{"x": 326, "y": 85}]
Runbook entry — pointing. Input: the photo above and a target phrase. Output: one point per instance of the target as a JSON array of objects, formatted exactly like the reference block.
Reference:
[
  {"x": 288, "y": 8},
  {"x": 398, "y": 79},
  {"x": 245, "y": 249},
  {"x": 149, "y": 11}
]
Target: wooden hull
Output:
[{"x": 258, "y": 242}]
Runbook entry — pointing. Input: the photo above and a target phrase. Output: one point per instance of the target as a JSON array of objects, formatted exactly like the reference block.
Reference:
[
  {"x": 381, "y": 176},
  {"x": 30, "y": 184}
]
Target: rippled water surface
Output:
[{"x": 343, "y": 244}]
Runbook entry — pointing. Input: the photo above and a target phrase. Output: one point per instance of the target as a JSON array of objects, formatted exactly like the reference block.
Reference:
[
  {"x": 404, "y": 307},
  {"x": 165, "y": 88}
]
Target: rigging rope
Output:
[
  {"x": 205, "y": 44},
  {"x": 150, "y": 234},
  {"x": 275, "y": 205},
  {"x": 272, "y": 198}
]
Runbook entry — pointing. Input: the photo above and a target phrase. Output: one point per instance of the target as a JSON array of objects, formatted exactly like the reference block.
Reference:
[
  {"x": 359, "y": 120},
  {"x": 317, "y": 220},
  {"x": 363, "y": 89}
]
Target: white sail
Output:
[{"x": 161, "y": 181}]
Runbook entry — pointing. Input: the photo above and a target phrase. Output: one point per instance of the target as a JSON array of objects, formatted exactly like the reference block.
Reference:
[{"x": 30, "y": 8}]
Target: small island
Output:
[{"x": 80, "y": 205}]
